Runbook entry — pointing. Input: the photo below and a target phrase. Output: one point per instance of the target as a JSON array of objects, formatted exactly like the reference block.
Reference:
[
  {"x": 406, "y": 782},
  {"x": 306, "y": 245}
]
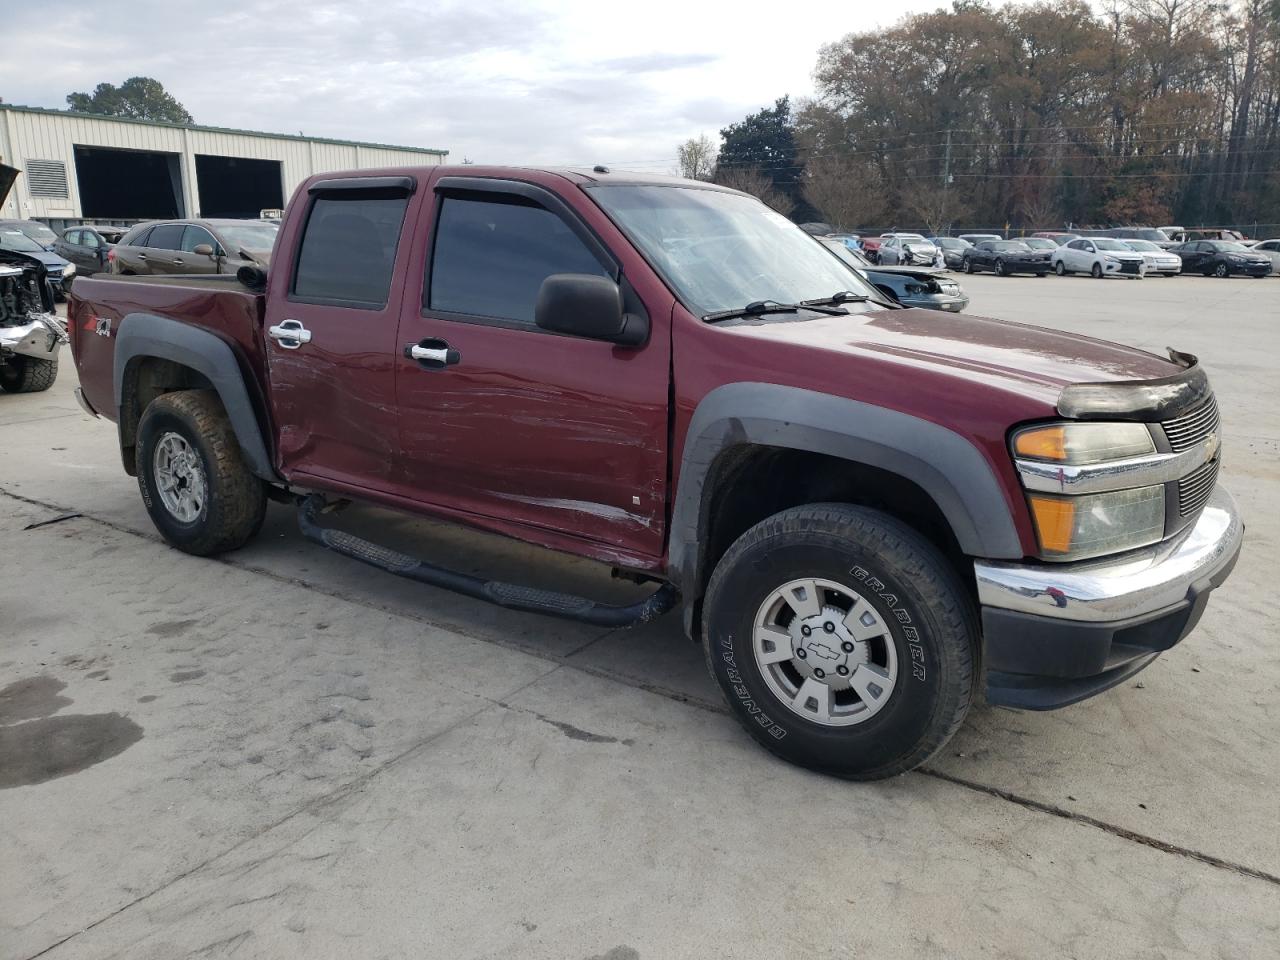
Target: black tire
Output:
[
  {"x": 28, "y": 374},
  {"x": 235, "y": 500},
  {"x": 1060, "y": 268},
  {"x": 1001, "y": 270},
  {"x": 1222, "y": 271},
  {"x": 966, "y": 265},
  {"x": 1096, "y": 271},
  {"x": 930, "y": 621}
]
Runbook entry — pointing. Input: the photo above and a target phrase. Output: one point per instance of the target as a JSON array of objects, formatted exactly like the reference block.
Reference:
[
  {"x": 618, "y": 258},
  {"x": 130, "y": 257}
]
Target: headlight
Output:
[
  {"x": 69, "y": 270},
  {"x": 1111, "y": 259},
  {"x": 1083, "y": 443},
  {"x": 1073, "y": 528}
]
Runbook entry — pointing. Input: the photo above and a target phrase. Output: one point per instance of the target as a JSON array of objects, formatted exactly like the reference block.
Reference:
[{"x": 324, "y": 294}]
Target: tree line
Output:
[{"x": 1036, "y": 115}]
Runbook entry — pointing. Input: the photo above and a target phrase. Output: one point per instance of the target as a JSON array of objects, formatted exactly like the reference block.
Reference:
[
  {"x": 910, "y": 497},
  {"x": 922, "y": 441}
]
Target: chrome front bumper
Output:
[
  {"x": 40, "y": 338},
  {"x": 1134, "y": 584}
]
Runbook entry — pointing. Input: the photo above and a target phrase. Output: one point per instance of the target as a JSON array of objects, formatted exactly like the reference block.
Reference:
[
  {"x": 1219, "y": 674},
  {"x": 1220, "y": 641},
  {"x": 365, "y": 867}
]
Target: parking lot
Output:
[{"x": 283, "y": 753}]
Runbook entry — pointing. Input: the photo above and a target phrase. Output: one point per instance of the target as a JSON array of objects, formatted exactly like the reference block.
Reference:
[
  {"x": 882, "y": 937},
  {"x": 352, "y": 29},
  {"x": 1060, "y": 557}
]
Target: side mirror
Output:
[
  {"x": 204, "y": 249},
  {"x": 583, "y": 305}
]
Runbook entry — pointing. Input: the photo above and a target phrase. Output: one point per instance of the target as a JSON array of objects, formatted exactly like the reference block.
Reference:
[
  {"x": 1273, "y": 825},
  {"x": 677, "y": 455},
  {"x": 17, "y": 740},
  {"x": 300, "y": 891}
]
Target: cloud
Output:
[{"x": 539, "y": 82}]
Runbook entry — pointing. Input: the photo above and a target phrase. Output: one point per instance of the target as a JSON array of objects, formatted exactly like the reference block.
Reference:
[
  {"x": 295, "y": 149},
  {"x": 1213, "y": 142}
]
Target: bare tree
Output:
[
  {"x": 751, "y": 180},
  {"x": 938, "y": 206},
  {"x": 697, "y": 158},
  {"x": 845, "y": 193}
]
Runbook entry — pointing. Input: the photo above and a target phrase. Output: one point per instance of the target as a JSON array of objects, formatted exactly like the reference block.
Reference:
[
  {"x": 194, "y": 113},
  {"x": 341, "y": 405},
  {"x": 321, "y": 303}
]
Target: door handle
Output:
[
  {"x": 432, "y": 353},
  {"x": 178, "y": 260},
  {"x": 290, "y": 334},
  {"x": 142, "y": 256}
]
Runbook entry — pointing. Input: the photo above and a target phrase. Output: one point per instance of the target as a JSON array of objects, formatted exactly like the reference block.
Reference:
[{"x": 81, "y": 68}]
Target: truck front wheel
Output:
[
  {"x": 194, "y": 481},
  {"x": 842, "y": 640}
]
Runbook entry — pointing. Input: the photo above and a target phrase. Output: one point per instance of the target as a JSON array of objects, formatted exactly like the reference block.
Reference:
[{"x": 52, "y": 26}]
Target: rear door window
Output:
[
  {"x": 167, "y": 236},
  {"x": 348, "y": 250},
  {"x": 490, "y": 257},
  {"x": 72, "y": 237}
]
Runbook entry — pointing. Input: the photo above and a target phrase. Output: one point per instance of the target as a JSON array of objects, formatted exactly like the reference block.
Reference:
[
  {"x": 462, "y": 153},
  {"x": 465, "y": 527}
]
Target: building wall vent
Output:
[{"x": 46, "y": 178}]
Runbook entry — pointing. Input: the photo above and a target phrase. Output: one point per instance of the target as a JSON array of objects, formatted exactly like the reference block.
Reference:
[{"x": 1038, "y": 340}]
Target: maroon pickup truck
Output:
[{"x": 869, "y": 515}]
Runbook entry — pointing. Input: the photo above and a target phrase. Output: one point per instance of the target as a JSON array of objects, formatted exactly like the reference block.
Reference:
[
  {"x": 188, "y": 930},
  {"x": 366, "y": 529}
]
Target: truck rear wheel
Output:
[
  {"x": 842, "y": 640},
  {"x": 194, "y": 481},
  {"x": 28, "y": 374}
]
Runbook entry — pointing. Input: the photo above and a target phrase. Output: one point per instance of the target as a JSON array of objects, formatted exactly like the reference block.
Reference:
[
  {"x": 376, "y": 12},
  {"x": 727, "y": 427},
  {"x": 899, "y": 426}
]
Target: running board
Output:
[{"x": 509, "y": 595}]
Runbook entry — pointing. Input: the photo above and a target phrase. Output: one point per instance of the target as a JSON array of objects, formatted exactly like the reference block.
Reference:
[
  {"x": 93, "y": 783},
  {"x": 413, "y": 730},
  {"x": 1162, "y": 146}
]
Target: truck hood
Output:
[{"x": 1032, "y": 362}]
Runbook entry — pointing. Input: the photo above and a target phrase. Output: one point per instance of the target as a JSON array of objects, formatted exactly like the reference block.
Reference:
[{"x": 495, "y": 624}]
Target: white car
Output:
[
  {"x": 1271, "y": 250},
  {"x": 1159, "y": 260},
  {"x": 1099, "y": 257},
  {"x": 894, "y": 248}
]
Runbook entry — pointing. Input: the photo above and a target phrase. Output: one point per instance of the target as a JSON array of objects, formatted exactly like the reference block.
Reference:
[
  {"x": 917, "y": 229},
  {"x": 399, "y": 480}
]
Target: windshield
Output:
[
  {"x": 1141, "y": 245},
  {"x": 38, "y": 232},
  {"x": 1011, "y": 246},
  {"x": 721, "y": 251},
  {"x": 18, "y": 241},
  {"x": 1153, "y": 235},
  {"x": 249, "y": 236},
  {"x": 1104, "y": 244},
  {"x": 1041, "y": 243},
  {"x": 949, "y": 243}
]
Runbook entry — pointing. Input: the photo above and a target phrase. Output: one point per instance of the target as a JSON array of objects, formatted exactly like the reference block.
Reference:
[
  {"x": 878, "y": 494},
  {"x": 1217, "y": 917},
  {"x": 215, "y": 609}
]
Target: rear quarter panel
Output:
[{"x": 222, "y": 307}]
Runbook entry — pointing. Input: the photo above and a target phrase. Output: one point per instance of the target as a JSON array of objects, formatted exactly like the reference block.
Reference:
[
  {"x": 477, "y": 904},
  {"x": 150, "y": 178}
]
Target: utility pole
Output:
[{"x": 946, "y": 183}]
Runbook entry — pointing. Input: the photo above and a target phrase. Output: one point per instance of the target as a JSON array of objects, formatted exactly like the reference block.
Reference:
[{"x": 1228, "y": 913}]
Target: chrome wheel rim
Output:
[
  {"x": 179, "y": 477},
  {"x": 825, "y": 652}
]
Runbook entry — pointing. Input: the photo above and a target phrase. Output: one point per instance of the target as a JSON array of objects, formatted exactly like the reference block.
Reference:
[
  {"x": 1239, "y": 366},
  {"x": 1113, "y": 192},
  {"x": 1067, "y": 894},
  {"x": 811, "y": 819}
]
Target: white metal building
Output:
[{"x": 78, "y": 166}]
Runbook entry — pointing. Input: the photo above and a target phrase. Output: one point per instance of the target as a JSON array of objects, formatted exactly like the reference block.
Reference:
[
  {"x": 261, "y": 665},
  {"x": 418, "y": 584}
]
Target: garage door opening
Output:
[
  {"x": 237, "y": 186},
  {"x": 128, "y": 184}
]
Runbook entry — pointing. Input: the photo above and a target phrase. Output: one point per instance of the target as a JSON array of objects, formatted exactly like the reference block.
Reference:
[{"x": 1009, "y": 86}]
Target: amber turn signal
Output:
[
  {"x": 1046, "y": 443},
  {"x": 1055, "y": 521}
]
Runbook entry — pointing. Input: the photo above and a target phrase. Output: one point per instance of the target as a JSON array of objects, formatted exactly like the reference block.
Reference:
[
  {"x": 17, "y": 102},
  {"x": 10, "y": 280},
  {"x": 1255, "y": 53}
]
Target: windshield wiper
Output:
[
  {"x": 844, "y": 296},
  {"x": 760, "y": 307}
]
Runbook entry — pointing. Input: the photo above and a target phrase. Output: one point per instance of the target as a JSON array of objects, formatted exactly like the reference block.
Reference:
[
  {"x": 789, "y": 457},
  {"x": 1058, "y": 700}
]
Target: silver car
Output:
[
  {"x": 1271, "y": 250},
  {"x": 1158, "y": 260}
]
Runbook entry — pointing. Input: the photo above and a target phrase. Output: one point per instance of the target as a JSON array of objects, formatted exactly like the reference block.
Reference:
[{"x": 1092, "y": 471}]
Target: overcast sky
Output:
[{"x": 545, "y": 81}]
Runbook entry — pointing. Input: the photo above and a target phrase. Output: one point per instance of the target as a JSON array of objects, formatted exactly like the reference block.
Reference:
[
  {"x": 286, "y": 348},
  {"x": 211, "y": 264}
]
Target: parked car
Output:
[
  {"x": 1004, "y": 258},
  {"x": 869, "y": 515},
  {"x": 1176, "y": 235},
  {"x": 1213, "y": 233},
  {"x": 1149, "y": 234},
  {"x": 1041, "y": 243},
  {"x": 31, "y": 335},
  {"x": 86, "y": 246},
  {"x": 1098, "y": 256},
  {"x": 953, "y": 249},
  {"x": 1222, "y": 258},
  {"x": 909, "y": 249},
  {"x": 850, "y": 240},
  {"x": 1059, "y": 237},
  {"x": 1271, "y": 250},
  {"x": 909, "y": 286},
  {"x": 37, "y": 231},
  {"x": 194, "y": 247},
  {"x": 976, "y": 238},
  {"x": 871, "y": 248},
  {"x": 60, "y": 271},
  {"x": 1159, "y": 261}
]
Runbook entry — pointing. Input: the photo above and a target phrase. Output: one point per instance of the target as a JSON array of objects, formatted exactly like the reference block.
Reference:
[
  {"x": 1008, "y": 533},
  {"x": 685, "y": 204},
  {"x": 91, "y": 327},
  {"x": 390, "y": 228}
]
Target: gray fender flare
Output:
[
  {"x": 944, "y": 464},
  {"x": 148, "y": 335}
]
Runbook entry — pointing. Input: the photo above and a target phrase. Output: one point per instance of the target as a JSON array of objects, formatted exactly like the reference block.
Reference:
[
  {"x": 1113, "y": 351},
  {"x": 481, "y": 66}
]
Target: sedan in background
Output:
[
  {"x": 1041, "y": 243},
  {"x": 1059, "y": 237},
  {"x": 34, "y": 229},
  {"x": 1005, "y": 257},
  {"x": 1099, "y": 257},
  {"x": 1271, "y": 250},
  {"x": 1150, "y": 234},
  {"x": 909, "y": 286},
  {"x": 1222, "y": 258},
  {"x": 86, "y": 246},
  {"x": 976, "y": 238},
  {"x": 1161, "y": 262},
  {"x": 194, "y": 247},
  {"x": 909, "y": 249},
  {"x": 953, "y": 249},
  {"x": 59, "y": 270}
]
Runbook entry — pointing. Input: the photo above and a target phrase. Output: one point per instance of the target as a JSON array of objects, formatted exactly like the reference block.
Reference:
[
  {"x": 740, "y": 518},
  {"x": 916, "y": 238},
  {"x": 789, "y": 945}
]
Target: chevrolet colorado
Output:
[{"x": 869, "y": 515}]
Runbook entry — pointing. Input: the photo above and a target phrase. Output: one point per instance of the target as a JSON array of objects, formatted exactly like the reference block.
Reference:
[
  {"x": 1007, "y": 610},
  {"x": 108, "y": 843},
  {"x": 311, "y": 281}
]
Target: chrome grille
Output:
[
  {"x": 1195, "y": 487},
  {"x": 1190, "y": 428}
]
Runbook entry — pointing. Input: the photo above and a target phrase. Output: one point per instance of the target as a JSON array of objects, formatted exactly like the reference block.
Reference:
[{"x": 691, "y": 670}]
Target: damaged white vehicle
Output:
[{"x": 31, "y": 334}]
